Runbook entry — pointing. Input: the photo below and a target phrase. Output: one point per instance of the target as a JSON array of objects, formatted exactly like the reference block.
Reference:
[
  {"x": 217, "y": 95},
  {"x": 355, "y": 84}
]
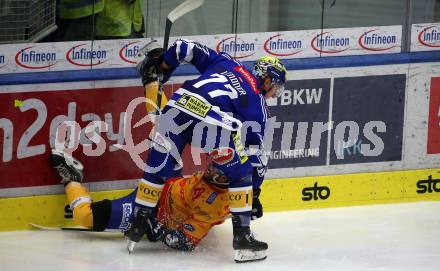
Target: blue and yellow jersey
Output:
[{"x": 223, "y": 85}]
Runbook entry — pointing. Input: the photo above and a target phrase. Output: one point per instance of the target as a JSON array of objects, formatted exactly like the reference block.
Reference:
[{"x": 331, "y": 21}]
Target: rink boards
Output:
[
  {"x": 277, "y": 195},
  {"x": 387, "y": 105}
]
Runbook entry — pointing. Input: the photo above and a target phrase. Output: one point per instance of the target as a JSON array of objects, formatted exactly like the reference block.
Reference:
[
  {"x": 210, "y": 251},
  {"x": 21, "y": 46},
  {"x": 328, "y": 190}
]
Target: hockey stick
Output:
[
  {"x": 176, "y": 13},
  {"x": 41, "y": 227},
  {"x": 48, "y": 228}
]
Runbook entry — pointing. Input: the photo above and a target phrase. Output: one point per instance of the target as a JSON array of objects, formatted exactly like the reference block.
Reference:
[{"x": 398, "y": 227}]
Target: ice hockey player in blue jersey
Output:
[{"x": 210, "y": 112}]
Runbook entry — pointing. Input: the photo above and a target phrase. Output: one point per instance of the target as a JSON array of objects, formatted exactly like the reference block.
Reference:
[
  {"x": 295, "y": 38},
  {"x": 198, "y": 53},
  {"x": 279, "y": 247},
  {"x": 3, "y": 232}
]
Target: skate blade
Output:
[
  {"x": 247, "y": 255},
  {"x": 130, "y": 246}
]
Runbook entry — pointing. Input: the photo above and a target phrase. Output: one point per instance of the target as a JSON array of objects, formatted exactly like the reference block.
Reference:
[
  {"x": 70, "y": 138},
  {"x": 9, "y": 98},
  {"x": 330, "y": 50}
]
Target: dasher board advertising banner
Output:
[
  {"x": 101, "y": 54},
  {"x": 365, "y": 115}
]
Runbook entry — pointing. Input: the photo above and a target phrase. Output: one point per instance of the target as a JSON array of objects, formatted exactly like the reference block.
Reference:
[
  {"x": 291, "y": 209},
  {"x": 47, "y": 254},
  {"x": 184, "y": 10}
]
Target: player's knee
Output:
[
  {"x": 82, "y": 215},
  {"x": 161, "y": 165},
  {"x": 101, "y": 214}
]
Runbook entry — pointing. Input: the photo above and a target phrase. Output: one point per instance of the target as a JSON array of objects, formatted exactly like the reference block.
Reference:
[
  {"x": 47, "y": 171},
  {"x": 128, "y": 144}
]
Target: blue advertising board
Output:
[
  {"x": 301, "y": 111},
  {"x": 368, "y": 115}
]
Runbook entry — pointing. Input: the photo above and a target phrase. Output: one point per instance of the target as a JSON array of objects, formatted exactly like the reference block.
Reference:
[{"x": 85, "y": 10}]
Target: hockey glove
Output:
[
  {"x": 177, "y": 240},
  {"x": 155, "y": 230},
  {"x": 149, "y": 67},
  {"x": 257, "y": 208}
]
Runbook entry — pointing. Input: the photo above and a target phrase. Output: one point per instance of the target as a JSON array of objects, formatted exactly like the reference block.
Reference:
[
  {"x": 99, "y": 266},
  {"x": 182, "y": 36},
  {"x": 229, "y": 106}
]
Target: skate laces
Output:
[{"x": 253, "y": 236}]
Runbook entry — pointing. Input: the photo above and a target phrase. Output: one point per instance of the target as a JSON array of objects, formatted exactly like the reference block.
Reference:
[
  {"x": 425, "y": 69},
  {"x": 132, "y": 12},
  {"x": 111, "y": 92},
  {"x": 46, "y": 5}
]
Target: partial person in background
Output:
[
  {"x": 98, "y": 19},
  {"x": 120, "y": 19},
  {"x": 75, "y": 19}
]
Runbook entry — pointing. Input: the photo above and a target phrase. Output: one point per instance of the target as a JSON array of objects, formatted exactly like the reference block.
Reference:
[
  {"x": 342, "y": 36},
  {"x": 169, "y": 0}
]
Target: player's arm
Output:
[
  {"x": 188, "y": 51},
  {"x": 159, "y": 66}
]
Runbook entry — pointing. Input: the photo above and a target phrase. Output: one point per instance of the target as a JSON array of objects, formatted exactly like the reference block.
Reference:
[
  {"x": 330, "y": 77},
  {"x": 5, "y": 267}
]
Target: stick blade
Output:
[
  {"x": 48, "y": 228},
  {"x": 184, "y": 8}
]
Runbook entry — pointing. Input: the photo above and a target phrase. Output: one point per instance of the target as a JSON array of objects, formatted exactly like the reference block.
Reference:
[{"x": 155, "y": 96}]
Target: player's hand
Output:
[
  {"x": 257, "y": 208},
  {"x": 177, "y": 240},
  {"x": 155, "y": 230},
  {"x": 150, "y": 67}
]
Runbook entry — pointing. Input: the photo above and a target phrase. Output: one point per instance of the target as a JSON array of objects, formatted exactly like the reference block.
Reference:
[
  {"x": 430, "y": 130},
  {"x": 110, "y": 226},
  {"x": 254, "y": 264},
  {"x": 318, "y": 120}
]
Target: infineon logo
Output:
[
  {"x": 278, "y": 46},
  {"x": 372, "y": 41},
  {"x": 82, "y": 56},
  {"x": 35, "y": 59},
  {"x": 326, "y": 43},
  {"x": 238, "y": 47},
  {"x": 429, "y": 37},
  {"x": 129, "y": 52}
]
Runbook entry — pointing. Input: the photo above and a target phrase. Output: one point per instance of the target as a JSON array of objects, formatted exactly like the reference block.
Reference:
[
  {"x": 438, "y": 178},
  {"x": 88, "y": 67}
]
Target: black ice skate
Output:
[
  {"x": 68, "y": 167},
  {"x": 247, "y": 248},
  {"x": 138, "y": 228}
]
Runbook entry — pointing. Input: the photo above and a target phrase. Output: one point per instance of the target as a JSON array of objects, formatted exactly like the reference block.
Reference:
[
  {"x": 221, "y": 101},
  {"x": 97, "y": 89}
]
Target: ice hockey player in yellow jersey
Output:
[{"x": 188, "y": 208}]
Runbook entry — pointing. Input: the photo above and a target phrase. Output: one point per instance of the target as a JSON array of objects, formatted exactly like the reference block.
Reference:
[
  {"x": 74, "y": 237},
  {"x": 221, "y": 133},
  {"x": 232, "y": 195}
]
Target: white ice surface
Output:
[{"x": 382, "y": 237}]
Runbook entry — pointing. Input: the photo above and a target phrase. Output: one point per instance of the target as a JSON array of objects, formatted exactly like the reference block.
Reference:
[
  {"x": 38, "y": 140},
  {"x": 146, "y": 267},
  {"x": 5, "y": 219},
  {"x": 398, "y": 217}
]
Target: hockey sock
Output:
[
  {"x": 80, "y": 201},
  {"x": 241, "y": 220}
]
